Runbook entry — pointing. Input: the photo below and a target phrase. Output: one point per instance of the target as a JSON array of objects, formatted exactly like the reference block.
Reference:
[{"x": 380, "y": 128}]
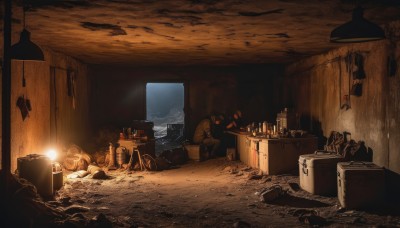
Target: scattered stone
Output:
[
  {"x": 76, "y": 209},
  {"x": 99, "y": 175},
  {"x": 74, "y": 222},
  {"x": 247, "y": 169},
  {"x": 103, "y": 208},
  {"x": 302, "y": 211},
  {"x": 65, "y": 200},
  {"x": 294, "y": 186},
  {"x": 348, "y": 212},
  {"x": 234, "y": 171},
  {"x": 359, "y": 220},
  {"x": 253, "y": 176},
  {"x": 313, "y": 220},
  {"x": 228, "y": 169},
  {"x": 229, "y": 194},
  {"x": 100, "y": 221},
  {"x": 268, "y": 179},
  {"x": 78, "y": 215},
  {"x": 272, "y": 193},
  {"x": 341, "y": 210},
  {"x": 241, "y": 224},
  {"x": 239, "y": 174},
  {"x": 54, "y": 203}
]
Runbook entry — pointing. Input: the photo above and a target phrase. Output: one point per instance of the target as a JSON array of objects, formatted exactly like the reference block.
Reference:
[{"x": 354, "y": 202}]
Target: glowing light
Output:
[{"x": 52, "y": 154}]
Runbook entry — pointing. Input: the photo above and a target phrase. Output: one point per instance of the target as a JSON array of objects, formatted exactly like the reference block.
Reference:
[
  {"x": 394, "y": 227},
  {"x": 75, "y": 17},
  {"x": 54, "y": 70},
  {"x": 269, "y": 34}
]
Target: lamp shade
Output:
[
  {"x": 25, "y": 49},
  {"x": 357, "y": 30}
]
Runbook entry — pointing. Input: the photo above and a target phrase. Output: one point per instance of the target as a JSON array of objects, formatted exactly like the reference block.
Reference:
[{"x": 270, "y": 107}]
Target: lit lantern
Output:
[
  {"x": 52, "y": 154},
  {"x": 57, "y": 170}
]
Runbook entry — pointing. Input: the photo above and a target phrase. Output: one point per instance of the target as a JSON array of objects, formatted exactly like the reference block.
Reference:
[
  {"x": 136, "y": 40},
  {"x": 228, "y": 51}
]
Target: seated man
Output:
[
  {"x": 236, "y": 122},
  {"x": 203, "y": 135}
]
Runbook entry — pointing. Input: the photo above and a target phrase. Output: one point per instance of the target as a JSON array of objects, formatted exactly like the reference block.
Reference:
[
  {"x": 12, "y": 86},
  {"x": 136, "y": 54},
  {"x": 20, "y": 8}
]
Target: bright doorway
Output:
[{"x": 164, "y": 107}]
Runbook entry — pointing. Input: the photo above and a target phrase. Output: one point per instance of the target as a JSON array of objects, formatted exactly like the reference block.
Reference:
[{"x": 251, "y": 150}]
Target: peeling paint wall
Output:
[
  {"x": 315, "y": 88},
  {"x": 34, "y": 134},
  {"x": 118, "y": 95}
]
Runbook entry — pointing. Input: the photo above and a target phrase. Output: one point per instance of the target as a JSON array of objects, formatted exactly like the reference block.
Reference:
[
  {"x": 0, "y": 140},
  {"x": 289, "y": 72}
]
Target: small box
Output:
[
  {"x": 196, "y": 152},
  {"x": 360, "y": 184},
  {"x": 317, "y": 172}
]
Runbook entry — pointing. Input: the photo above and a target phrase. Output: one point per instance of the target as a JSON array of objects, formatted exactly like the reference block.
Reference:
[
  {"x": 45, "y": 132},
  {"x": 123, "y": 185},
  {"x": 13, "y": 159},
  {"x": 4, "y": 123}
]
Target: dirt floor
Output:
[{"x": 213, "y": 193}]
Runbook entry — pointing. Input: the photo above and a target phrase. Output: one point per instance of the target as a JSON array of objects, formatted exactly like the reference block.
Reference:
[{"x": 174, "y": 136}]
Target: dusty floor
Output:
[{"x": 205, "y": 194}]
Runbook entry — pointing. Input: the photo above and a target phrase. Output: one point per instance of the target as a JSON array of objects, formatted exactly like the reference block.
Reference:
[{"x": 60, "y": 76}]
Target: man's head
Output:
[{"x": 215, "y": 119}]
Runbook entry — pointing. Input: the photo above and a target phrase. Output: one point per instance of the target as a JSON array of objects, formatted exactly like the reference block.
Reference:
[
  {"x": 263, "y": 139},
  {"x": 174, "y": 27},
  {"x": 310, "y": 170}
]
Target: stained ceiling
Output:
[{"x": 191, "y": 32}]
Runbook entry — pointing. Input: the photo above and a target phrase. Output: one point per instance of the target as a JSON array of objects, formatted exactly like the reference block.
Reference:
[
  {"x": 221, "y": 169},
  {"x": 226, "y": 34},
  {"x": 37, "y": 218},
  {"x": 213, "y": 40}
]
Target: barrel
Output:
[{"x": 121, "y": 155}]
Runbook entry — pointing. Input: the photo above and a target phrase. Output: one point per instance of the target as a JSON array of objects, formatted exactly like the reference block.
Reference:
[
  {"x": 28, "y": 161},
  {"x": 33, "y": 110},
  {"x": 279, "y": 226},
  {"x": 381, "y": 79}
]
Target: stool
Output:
[{"x": 130, "y": 163}]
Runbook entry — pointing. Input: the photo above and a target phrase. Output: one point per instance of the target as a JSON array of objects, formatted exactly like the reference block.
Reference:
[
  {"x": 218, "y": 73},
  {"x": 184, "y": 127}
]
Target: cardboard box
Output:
[{"x": 196, "y": 152}]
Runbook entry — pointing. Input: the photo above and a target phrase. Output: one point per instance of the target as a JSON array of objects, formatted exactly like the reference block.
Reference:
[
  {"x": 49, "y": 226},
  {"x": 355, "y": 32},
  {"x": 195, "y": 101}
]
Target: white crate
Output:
[{"x": 317, "y": 172}]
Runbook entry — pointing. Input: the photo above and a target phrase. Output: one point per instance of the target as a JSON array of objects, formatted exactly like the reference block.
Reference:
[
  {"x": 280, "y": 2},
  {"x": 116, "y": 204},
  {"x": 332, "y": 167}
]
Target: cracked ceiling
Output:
[{"x": 191, "y": 32}]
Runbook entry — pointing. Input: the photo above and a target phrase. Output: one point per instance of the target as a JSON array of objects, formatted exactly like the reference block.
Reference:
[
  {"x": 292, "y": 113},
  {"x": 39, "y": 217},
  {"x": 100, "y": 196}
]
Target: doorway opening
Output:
[{"x": 164, "y": 107}]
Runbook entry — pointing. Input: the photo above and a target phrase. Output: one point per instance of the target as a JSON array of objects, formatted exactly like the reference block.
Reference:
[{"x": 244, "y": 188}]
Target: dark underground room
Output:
[{"x": 200, "y": 113}]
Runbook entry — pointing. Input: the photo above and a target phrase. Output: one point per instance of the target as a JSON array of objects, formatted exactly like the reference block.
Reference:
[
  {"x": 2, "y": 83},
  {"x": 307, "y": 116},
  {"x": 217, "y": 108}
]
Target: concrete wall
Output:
[
  {"x": 314, "y": 87},
  {"x": 119, "y": 95},
  {"x": 34, "y": 134}
]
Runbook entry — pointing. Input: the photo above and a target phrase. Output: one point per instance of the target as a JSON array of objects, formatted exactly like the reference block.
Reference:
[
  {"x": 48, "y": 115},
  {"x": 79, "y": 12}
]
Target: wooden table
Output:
[{"x": 273, "y": 156}]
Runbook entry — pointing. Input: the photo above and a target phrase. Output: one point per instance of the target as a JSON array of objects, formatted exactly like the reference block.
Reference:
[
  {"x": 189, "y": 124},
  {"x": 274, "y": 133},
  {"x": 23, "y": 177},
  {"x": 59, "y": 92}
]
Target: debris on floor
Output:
[
  {"x": 213, "y": 193},
  {"x": 272, "y": 193},
  {"x": 313, "y": 220},
  {"x": 24, "y": 207}
]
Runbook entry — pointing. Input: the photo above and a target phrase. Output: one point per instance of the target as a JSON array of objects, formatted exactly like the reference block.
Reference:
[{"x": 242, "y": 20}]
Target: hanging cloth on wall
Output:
[
  {"x": 344, "y": 101},
  {"x": 355, "y": 68},
  {"x": 24, "y": 104},
  {"x": 23, "y": 107}
]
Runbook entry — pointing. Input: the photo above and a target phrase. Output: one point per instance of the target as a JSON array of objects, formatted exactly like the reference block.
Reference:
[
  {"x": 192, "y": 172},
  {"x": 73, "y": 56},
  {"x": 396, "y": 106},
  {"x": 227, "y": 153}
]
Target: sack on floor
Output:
[
  {"x": 335, "y": 142},
  {"x": 76, "y": 159},
  {"x": 162, "y": 163},
  {"x": 177, "y": 156},
  {"x": 356, "y": 151}
]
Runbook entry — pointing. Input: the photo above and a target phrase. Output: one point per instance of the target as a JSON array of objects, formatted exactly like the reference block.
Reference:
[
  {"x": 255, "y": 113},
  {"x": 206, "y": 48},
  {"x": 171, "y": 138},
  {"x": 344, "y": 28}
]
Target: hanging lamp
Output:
[
  {"x": 357, "y": 30},
  {"x": 25, "y": 49}
]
